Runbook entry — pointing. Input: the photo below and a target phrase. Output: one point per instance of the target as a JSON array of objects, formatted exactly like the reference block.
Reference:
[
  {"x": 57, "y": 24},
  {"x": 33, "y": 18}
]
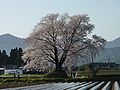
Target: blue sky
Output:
[{"x": 18, "y": 17}]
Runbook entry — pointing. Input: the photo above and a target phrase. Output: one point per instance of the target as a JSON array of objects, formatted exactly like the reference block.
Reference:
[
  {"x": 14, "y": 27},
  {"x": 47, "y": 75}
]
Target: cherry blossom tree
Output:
[{"x": 61, "y": 40}]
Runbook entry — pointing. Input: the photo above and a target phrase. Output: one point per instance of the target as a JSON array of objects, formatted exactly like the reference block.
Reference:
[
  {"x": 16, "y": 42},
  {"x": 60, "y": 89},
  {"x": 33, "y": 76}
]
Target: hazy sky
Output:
[{"x": 18, "y": 17}]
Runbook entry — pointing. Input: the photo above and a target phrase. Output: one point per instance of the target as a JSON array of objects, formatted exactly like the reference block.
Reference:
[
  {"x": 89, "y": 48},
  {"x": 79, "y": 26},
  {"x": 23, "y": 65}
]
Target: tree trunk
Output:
[
  {"x": 92, "y": 57},
  {"x": 58, "y": 73},
  {"x": 58, "y": 66}
]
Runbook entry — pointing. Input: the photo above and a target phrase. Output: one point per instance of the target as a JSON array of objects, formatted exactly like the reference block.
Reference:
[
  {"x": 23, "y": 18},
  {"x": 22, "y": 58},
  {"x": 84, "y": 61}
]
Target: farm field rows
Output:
[{"x": 97, "y": 85}]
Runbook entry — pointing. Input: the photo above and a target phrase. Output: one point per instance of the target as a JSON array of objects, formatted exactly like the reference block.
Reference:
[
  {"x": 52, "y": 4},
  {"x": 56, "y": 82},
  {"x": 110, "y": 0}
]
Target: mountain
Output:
[
  {"x": 111, "y": 53},
  {"x": 8, "y": 42},
  {"x": 114, "y": 43}
]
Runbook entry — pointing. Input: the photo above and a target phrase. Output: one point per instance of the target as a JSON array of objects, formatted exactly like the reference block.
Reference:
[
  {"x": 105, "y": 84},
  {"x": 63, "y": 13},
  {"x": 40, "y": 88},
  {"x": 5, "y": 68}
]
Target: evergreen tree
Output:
[
  {"x": 5, "y": 58},
  {"x": 15, "y": 56},
  {"x": 1, "y": 58},
  {"x": 20, "y": 54},
  {"x": 12, "y": 57}
]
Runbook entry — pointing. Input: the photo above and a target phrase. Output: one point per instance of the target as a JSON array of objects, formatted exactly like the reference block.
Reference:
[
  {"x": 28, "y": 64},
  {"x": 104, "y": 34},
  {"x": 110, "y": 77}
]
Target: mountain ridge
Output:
[
  {"x": 8, "y": 34},
  {"x": 114, "y": 43},
  {"x": 8, "y": 42},
  {"x": 112, "y": 52}
]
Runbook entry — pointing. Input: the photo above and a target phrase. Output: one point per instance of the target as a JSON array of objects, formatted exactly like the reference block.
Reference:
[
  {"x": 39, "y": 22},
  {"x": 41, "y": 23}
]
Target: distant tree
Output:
[
  {"x": 12, "y": 57},
  {"x": 91, "y": 72},
  {"x": 5, "y": 58},
  {"x": 16, "y": 56},
  {"x": 1, "y": 61},
  {"x": 97, "y": 44},
  {"x": 60, "y": 39},
  {"x": 19, "y": 58}
]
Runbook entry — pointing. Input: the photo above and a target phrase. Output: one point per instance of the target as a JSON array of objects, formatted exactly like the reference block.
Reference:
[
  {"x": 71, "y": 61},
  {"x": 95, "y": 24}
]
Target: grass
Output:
[
  {"x": 23, "y": 75},
  {"x": 108, "y": 72},
  {"x": 8, "y": 82},
  {"x": 15, "y": 84},
  {"x": 101, "y": 73}
]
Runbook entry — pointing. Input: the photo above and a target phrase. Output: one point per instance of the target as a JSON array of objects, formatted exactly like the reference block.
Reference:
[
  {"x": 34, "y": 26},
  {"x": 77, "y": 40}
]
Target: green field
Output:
[
  {"x": 101, "y": 73},
  {"x": 23, "y": 75},
  {"x": 108, "y": 73}
]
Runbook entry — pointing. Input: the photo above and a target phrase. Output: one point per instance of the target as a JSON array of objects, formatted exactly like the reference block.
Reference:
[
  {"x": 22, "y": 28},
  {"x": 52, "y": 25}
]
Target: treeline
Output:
[{"x": 15, "y": 57}]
